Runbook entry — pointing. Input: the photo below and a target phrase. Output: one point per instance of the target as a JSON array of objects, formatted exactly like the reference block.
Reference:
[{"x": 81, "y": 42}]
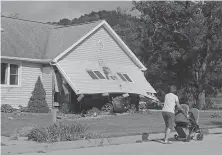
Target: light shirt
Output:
[{"x": 170, "y": 102}]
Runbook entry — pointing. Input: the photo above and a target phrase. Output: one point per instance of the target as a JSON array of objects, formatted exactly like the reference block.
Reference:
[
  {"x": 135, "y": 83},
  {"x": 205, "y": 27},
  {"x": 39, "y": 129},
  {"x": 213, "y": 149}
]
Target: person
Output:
[{"x": 171, "y": 100}]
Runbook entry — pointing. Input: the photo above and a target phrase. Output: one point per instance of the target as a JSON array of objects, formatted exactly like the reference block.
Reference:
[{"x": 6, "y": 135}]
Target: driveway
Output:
[{"x": 210, "y": 145}]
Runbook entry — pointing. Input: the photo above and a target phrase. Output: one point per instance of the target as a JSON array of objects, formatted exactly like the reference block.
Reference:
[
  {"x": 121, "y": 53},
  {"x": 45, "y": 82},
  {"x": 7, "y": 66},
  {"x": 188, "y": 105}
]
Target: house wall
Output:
[
  {"x": 90, "y": 50},
  {"x": 20, "y": 95},
  {"x": 88, "y": 55}
]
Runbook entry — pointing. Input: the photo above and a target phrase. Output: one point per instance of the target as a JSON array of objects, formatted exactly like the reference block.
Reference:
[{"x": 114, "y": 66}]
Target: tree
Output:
[
  {"x": 37, "y": 102},
  {"x": 64, "y": 21},
  {"x": 182, "y": 40}
]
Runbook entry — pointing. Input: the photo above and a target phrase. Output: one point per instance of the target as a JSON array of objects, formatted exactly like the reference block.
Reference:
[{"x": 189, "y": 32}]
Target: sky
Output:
[{"x": 50, "y": 11}]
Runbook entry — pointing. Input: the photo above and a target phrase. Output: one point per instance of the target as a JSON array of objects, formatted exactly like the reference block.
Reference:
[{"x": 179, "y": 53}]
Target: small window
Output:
[
  {"x": 121, "y": 76},
  {"x": 92, "y": 74},
  {"x": 9, "y": 74},
  {"x": 4, "y": 71},
  {"x": 124, "y": 77},
  {"x": 127, "y": 77},
  {"x": 99, "y": 75},
  {"x": 13, "y": 74}
]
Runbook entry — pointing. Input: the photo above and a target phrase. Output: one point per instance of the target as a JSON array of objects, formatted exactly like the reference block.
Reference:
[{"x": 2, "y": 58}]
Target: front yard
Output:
[{"x": 108, "y": 126}]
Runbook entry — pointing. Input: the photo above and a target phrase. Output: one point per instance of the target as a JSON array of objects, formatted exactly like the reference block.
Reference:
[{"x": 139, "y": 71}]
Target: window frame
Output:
[
  {"x": 104, "y": 77},
  {"x": 98, "y": 78},
  {"x": 121, "y": 73},
  {"x": 9, "y": 63}
]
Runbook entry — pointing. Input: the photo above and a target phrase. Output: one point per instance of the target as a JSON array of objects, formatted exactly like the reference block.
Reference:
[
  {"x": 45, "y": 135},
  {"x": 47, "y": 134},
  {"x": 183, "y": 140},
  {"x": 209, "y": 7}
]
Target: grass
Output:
[{"x": 122, "y": 125}]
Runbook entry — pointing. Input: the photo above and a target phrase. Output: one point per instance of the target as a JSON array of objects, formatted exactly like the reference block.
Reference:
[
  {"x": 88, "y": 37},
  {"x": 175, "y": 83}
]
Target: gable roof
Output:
[{"x": 41, "y": 41}]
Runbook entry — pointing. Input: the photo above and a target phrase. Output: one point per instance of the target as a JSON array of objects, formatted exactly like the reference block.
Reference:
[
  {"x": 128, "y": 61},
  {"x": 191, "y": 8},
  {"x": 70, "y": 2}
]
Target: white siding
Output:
[
  {"x": 90, "y": 50},
  {"x": 87, "y": 56},
  {"x": 16, "y": 96}
]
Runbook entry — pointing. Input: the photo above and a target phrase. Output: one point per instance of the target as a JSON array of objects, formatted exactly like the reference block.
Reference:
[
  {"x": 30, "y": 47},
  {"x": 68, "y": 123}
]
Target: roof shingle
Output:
[{"x": 28, "y": 39}]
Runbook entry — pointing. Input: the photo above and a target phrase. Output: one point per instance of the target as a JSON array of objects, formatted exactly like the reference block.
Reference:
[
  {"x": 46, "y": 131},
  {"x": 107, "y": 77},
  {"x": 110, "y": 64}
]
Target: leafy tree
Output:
[
  {"x": 182, "y": 40},
  {"x": 64, "y": 21},
  {"x": 37, "y": 102}
]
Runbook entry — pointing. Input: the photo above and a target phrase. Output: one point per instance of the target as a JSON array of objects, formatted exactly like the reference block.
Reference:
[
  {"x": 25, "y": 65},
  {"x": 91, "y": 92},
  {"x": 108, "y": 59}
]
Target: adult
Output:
[{"x": 168, "y": 112}]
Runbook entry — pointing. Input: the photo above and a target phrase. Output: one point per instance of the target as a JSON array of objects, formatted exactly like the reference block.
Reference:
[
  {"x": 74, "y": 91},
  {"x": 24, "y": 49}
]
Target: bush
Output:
[
  {"x": 208, "y": 104},
  {"x": 22, "y": 109},
  {"x": 58, "y": 132},
  {"x": 154, "y": 105},
  {"x": 216, "y": 115},
  {"x": 37, "y": 103},
  {"x": 6, "y": 108}
]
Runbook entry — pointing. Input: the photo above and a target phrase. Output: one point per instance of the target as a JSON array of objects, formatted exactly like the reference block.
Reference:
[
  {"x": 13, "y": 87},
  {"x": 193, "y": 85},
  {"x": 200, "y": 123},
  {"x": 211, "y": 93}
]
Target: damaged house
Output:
[{"x": 82, "y": 65}]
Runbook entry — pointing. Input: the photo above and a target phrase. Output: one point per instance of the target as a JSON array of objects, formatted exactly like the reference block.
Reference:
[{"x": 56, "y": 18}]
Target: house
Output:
[{"x": 87, "y": 59}]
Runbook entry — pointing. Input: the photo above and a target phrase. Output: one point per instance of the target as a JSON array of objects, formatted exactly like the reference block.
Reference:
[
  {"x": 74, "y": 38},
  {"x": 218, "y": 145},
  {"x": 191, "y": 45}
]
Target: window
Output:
[
  {"x": 99, "y": 74},
  {"x": 121, "y": 76},
  {"x": 13, "y": 74},
  {"x": 124, "y": 77},
  {"x": 96, "y": 74},
  {"x": 127, "y": 77},
  {"x": 93, "y": 75},
  {"x": 9, "y": 74}
]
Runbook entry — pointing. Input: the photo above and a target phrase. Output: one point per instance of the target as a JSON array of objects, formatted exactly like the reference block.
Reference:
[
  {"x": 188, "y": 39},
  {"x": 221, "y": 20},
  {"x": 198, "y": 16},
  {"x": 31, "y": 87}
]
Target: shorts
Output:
[{"x": 168, "y": 119}]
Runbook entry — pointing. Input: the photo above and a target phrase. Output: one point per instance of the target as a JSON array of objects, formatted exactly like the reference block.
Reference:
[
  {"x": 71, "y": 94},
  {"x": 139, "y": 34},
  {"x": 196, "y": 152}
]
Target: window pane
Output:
[
  {"x": 4, "y": 73},
  {"x": 99, "y": 75},
  {"x": 13, "y": 69},
  {"x": 93, "y": 76},
  {"x": 127, "y": 77},
  {"x": 121, "y": 76},
  {"x": 13, "y": 79}
]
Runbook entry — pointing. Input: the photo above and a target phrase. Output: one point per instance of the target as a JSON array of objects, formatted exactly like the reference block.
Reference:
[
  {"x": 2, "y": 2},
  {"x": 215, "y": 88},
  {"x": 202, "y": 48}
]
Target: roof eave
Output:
[{"x": 43, "y": 61}]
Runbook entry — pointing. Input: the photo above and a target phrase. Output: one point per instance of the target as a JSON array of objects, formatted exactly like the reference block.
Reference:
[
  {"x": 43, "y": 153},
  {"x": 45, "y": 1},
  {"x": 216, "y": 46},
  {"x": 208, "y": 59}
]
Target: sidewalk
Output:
[
  {"x": 22, "y": 146},
  {"x": 155, "y": 110}
]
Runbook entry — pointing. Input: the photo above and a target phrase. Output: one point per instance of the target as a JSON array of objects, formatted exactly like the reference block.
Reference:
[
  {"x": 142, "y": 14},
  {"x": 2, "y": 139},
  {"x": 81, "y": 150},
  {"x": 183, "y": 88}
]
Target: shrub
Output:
[
  {"x": 37, "y": 103},
  {"x": 23, "y": 109},
  {"x": 215, "y": 115},
  {"x": 58, "y": 132},
  {"x": 208, "y": 104},
  {"x": 6, "y": 108},
  {"x": 154, "y": 105}
]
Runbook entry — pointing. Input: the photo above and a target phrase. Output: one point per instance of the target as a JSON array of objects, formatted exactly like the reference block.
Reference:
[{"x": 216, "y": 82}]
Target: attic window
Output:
[
  {"x": 92, "y": 74},
  {"x": 99, "y": 74},
  {"x": 121, "y": 76},
  {"x": 127, "y": 77},
  {"x": 95, "y": 74},
  {"x": 124, "y": 77}
]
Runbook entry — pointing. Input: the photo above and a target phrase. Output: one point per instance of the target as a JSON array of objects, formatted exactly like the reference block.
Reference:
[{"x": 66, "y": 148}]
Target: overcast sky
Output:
[{"x": 54, "y": 10}]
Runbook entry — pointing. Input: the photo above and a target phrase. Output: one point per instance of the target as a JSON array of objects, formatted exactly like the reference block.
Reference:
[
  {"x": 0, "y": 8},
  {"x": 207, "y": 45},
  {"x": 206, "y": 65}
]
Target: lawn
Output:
[{"x": 120, "y": 125}]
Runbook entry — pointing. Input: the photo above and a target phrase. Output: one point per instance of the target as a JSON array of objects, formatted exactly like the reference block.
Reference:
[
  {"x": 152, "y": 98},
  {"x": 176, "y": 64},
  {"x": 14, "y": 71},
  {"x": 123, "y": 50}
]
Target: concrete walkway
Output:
[
  {"x": 23, "y": 146},
  {"x": 210, "y": 145}
]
